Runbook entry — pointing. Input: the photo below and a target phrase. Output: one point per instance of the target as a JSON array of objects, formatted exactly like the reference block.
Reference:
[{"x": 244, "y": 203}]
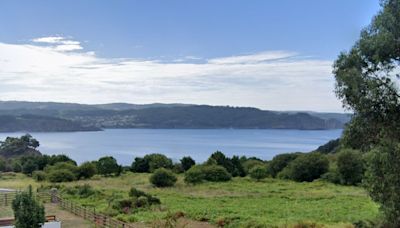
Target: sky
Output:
[{"x": 274, "y": 55}]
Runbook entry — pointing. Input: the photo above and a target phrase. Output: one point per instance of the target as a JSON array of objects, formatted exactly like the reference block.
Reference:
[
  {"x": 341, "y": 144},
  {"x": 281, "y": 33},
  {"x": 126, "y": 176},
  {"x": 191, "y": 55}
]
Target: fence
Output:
[{"x": 90, "y": 214}]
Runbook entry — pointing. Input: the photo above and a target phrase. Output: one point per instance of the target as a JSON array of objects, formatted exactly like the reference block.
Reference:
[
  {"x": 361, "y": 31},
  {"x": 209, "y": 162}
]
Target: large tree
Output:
[{"x": 367, "y": 81}]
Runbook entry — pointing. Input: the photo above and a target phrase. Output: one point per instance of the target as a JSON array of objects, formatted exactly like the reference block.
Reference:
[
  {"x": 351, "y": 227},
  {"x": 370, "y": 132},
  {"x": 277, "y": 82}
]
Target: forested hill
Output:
[{"x": 50, "y": 116}]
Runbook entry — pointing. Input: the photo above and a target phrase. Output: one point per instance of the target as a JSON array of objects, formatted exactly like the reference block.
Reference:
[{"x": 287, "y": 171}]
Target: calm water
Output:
[{"x": 125, "y": 144}]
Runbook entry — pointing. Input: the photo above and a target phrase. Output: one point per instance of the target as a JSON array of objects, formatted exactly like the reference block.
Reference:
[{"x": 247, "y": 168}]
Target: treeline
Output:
[{"x": 344, "y": 167}]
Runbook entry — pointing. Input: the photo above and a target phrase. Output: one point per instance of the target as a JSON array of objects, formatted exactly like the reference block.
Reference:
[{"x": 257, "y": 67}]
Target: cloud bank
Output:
[{"x": 59, "y": 69}]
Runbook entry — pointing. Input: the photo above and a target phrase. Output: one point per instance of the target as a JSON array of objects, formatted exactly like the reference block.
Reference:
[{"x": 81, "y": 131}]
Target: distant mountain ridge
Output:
[{"x": 54, "y": 116}]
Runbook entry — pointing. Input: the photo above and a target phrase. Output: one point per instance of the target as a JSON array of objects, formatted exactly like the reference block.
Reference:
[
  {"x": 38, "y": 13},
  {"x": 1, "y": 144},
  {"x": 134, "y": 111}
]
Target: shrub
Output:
[
  {"x": 87, "y": 170},
  {"x": 28, "y": 212},
  {"x": 279, "y": 162},
  {"x": 250, "y": 163},
  {"x": 306, "y": 167},
  {"x": 238, "y": 169},
  {"x": 137, "y": 193},
  {"x": 16, "y": 166},
  {"x": 61, "y": 175},
  {"x": 107, "y": 166},
  {"x": 215, "y": 173},
  {"x": 29, "y": 167},
  {"x": 140, "y": 165},
  {"x": 382, "y": 180},
  {"x": 2, "y": 165},
  {"x": 157, "y": 161},
  {"x": 258, "y": 172},
  {"x": 39, "y": 175},
  {"x": 163, "y": 178},
  {"x": 187, "y": 163},
  {"x": 194, "y": 175},
  {"x": 177, "y": 168},
  {"x": 332, "y": 176},
  {"x": 350, "y": 166}
]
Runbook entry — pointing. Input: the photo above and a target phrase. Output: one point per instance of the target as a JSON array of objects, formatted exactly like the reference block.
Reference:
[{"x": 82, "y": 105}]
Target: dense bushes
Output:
[
  {"x": 163, "y": 178},
  {"x": 279, "y": 162},
  {"x": 151, "y": 162},
  {"x": 108, "y": 166},
  {"x": 258, "y": 172},
  {"x": 350, "y": 166},
  {"x": 200, "y": 173},
  {"x": 306, "y": 167},
  {"x": 187, "y": 163}
]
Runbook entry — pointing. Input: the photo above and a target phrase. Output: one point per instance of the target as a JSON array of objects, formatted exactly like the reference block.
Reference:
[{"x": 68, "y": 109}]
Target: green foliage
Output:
[
  {"x": 330, "y": 147},
  {"x": 350, "y": 166},
  {"x": 87, "y": 170},
  {"x": 28, "y": 212},
  {"x": 13, "y": 147},
  {"x": 215, "y": 173},
  {"x": 383, "y": 179},
  {"x": 108, "y": 166},
  {"x": 163, "y": 178},
  {"x": 250, "y": 163},
  {"x": 187, "y": 163},
  {"x": 2, "y": 164},
  {"x": 150, "y": 163},
  {"x": 258, "y": 172},
  {"x": 140, "y": 165},
  {"x": 279, "y": 162},
  {"x": 367, "y": 80},
  {"x": 157, "y": 161},
  {"x": 29, "y": 167},
  {"x": 133, "y": 192},
  {"x": 16, "y": 166},
  {"x": 39, "y": 175},
  {"x": 194, "y": 175},
  {"x": 306, "y": 167},
  {"x": 62, "y": 175}
]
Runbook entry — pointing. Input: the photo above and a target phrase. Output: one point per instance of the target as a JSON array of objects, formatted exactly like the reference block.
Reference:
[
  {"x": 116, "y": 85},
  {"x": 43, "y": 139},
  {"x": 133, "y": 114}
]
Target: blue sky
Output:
[{"x": 209, "y": 52}]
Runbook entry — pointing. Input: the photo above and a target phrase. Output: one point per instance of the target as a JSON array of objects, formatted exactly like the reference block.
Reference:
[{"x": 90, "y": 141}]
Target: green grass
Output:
[{"x": 241, "y": 201}]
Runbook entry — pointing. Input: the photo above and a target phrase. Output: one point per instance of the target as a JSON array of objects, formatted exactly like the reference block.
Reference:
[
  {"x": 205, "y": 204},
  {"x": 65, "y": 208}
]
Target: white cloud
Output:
[
  {"x": 60, "y": 43},
  {"x": 269, "y": 80}
]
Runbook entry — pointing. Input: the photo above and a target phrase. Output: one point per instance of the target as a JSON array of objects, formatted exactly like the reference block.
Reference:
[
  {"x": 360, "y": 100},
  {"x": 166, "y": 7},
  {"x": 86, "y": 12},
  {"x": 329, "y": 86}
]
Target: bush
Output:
[
  {"x": 39, "y": 175},
  {"x": 87, "y": 170},
  {"x": 382, "y": 180},
  {"x": 187, "y": 163},
  {"x": 28, "y": 212},
  {"x": 16, "y": 166},
  {"x": 215, "y": 173},
  {"x": 107, "y": 166},
  {"x": 306, "y": 167},
  {"x": 29, "y": 167},
  {"x": 350, "y": 166},
  {"x": 61, "y": 175},
  {"x": 2, "y": 165},
  {"x": 279, "y": 162},
  {"x": 258, "y": 172},
  {"x": 194, "y": 175},
  {"x": 332, "y": 176},
  {"x": 140, "y": 165},
  {"x": 157, "y": 161},
  {"x": 137, "y": 193},
  {"x": 250, "y": 163},
  {"x": 163, "y": 178}
]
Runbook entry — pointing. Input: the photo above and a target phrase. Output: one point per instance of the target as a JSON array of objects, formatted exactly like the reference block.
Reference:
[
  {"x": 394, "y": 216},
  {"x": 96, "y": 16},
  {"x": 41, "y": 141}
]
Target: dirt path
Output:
[{"x": 68, "y": 220}]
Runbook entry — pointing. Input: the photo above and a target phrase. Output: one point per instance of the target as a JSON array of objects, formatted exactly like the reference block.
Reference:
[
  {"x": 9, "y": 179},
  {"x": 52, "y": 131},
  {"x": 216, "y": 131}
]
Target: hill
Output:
[{"x": 52, "y": 116}]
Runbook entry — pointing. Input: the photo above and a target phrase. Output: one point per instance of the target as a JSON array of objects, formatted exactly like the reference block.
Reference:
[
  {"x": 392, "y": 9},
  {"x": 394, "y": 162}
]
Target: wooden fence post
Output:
[{"x": 54, "y": 195}]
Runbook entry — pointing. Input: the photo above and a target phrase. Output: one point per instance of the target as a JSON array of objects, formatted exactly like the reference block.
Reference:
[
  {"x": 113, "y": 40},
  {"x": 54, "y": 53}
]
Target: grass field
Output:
[{"x": 240, "y": 202}]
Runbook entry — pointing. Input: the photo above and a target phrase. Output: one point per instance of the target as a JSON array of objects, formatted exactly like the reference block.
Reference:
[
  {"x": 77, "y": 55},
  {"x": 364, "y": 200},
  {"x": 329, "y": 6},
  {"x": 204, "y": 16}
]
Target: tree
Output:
[
  {"x": 163, "y": 178},
  {"x": 194, "y": 175},
  {"x": 107, "y": 166},
  {"x": 157, "y": 161},
  {"x": 28, "y": 212},
  {"x": 258, "y": 172},
  {"x": 87, "y": 170},
  {"x": 140, "y": 165},
  {"x": 367, "y": 82},
  {"x": 13, "y": 147},
  {"x": 383, "y": 180},
  {"x": 29, "y": 167},
  {"x": 279, "y": 162},
  {"x": 350, "y": 166},
  {"x": 306, "y": 167},
  {"x": 187, "y": 163}
]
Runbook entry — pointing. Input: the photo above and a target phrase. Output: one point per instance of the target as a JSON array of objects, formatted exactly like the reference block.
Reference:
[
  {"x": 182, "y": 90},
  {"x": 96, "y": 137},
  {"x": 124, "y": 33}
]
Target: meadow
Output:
[{"x": 241, "y": 202}]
